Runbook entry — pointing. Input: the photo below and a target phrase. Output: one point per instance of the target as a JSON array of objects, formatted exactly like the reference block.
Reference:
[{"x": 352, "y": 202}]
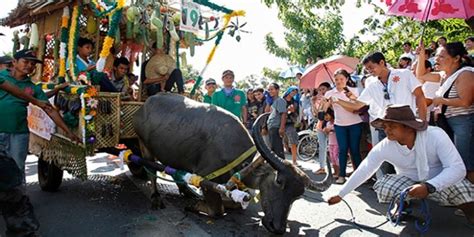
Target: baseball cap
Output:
[
  {"x": 227, "y": 72},
  {"x": 6, "y": 59},
  {"x": 210, "y": 81},
  {"x": 28, "y": 55}
]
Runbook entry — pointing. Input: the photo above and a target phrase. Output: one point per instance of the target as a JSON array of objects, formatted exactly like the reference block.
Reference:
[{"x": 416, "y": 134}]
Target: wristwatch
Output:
[{"x": 431, "y": 188}]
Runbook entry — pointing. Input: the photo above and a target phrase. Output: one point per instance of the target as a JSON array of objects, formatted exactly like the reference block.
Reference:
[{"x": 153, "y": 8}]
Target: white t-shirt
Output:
[
  {"x": 446, "y": 167},
  {"x": 429, "y": 89},
  {"x": 410, "y": 55},
  {"x": 401, "y": 85},
  {"x": 342, "y": 117}
]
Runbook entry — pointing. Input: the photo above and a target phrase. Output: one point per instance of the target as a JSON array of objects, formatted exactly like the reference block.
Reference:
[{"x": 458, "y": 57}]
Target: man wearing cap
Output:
[
  {"x": 13, "y": 123},
  {"x": 425, "y": 160},
  {"x": 231, "y": 98},
  {"x": 5, "y": 62},
  {"x": 211, "y": 86}
]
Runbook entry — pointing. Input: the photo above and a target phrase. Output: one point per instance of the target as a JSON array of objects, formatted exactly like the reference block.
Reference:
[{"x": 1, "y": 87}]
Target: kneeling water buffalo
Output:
[{"x": 201, "y": 138}]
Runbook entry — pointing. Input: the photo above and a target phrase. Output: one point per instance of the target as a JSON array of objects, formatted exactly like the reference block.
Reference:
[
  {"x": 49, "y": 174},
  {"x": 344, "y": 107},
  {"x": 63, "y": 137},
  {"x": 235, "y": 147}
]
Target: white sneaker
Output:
[{"x": 340, "y": 180}]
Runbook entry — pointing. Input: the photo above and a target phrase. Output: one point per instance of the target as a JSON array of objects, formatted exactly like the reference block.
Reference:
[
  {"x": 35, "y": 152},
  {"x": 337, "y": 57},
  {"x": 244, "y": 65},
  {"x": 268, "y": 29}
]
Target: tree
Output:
[{"x": 308, "y": 34}]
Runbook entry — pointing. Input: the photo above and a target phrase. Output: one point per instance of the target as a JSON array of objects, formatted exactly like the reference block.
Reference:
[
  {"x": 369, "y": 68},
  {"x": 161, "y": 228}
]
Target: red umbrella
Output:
[{"x": 324, "y": 69}]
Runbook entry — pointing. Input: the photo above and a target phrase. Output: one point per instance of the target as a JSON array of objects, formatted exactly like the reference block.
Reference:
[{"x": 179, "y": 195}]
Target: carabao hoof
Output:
[{"x": 157, "y": 202}]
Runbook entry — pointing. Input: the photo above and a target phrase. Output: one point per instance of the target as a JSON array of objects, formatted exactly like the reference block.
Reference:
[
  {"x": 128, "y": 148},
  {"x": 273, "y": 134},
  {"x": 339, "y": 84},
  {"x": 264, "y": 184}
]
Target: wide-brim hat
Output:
[
  {"x": 400, "y": 114},
  {"x": 159, "y": 65}
]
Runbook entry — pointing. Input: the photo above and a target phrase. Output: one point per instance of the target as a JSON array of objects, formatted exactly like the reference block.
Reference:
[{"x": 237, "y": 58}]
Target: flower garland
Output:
[
  {"x": 88, "y": 112},
  {"x": 63, "y": 45},
  {"x": 109, "y": 39},
  {"x": 72, "y": 43}
]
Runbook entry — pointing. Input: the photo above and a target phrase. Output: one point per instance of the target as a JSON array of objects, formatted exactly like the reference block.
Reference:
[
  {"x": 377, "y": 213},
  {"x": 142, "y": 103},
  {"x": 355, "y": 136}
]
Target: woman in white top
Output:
[
  {"x": 455, "y": 97},
  {"x": 347, "y": 124}
]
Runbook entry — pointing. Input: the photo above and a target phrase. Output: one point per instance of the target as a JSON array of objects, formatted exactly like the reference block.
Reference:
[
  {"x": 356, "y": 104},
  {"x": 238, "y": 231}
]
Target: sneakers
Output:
[{"x": 340, "y": 180}]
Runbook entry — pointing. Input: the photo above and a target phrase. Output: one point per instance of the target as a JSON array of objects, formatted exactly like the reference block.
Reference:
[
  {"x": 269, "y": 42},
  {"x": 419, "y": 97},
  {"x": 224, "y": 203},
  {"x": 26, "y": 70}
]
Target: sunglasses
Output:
[{"x": 386, "y": 95}]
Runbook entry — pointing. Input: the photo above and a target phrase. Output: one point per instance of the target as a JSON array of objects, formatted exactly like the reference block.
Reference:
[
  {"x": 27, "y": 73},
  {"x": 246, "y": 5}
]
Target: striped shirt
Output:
[{"x": 453, "y": 111}]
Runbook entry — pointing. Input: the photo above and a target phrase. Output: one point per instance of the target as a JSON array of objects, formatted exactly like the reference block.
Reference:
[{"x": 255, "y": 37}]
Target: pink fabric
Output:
[
  {"x": 323, "y": 70},
  {"x": 427, "y": 10},
  {"x": 342, "y": 116},
  {"x": 334, "y": 154},
  {"x": 332, "y": 140}
]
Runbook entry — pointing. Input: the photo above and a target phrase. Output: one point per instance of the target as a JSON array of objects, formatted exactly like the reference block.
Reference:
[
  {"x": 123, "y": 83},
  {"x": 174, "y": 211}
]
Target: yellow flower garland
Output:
[
  {"x": 72, "y": 34},
  {"x": 108, "y": 43}
]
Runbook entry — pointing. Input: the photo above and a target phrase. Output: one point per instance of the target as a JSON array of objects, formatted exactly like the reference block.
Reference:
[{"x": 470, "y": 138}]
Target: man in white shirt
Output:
[
  {"x": 408, "y": 52},
  {"x": 425, "y": 160}
]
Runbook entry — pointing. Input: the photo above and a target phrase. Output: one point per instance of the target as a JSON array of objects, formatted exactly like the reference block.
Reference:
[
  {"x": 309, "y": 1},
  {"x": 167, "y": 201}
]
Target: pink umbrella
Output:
[
  {"x": 324, "y": 69},
  {"x": 427, "y": 10}
]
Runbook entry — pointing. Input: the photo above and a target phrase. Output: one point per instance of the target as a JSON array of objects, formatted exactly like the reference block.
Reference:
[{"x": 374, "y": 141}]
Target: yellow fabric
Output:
[
  {"x": 231, "y": 165},
  {"x": 126, "y": 154},
  {"x": 195, "y": 180}
]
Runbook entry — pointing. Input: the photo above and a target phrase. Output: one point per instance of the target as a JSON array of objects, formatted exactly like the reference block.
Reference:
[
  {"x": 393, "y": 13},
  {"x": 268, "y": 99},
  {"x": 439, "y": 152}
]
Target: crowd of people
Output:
[
  {"x": 387, "y": 111},
  {"x": 433, "y": 85}
]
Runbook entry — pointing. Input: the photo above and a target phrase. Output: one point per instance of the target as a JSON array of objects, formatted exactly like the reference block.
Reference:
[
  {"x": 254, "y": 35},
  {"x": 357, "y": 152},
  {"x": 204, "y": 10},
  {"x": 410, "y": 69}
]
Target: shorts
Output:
[{"x": 291, "y": 134}]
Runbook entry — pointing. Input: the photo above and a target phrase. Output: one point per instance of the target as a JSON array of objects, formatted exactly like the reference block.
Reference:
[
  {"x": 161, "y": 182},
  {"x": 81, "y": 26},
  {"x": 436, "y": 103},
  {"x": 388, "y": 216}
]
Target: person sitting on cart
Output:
[
  {"x": 85, "y": 64},
  {"x": 160, "y": 73},
  {"x": 119, "y": 77}
]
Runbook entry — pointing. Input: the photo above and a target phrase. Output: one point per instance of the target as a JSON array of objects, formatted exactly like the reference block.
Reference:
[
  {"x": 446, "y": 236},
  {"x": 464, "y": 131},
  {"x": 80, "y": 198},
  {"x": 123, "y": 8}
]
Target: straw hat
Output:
[
  {"x": 400, "y": 114},
  {"x": 160, "y": 65}
]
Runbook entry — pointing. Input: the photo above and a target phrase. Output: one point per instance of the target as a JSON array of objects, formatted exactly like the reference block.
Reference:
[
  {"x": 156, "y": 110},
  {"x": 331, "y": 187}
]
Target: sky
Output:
[{"x": 246, "y": 57}]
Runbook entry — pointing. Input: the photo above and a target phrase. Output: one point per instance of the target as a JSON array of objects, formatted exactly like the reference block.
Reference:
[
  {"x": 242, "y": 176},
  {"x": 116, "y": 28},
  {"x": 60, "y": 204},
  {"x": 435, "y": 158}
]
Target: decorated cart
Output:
[{"x": 101, "y": 119}]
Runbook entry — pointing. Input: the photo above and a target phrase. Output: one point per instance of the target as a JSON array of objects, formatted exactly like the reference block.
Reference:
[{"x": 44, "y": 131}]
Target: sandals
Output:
[{"x": 320, "y": 171}]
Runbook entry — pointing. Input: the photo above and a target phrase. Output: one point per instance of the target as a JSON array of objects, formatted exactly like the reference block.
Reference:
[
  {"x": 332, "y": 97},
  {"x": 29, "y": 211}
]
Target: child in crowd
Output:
[{"x": 332, "y": 141}]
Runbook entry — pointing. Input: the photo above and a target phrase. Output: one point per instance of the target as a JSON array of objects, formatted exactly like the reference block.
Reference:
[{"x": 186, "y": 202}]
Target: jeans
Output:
[
  {"x": 176, "y": 77},
  {"x": 276, "y": 142},
  {"x": 323, "y": 147},
  {"x": 348, "y": 137},
  {"x": 463, "y": 129},
  {"x": 15, "y": 145}
]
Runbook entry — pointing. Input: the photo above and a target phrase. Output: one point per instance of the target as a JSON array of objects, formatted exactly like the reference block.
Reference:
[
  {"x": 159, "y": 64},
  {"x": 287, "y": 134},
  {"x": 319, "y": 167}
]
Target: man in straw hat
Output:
[
  {"x": 425, "y": 160},
  {"x": 160, "y": 73}
]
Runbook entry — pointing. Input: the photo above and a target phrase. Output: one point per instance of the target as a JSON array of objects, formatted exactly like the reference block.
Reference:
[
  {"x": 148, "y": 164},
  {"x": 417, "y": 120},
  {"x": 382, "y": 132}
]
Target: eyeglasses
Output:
[{"x": 386, "y": 95}]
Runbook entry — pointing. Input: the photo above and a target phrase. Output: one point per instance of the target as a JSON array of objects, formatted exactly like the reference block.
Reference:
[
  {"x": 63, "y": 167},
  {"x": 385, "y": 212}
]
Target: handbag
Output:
[{"x": 442, "y": 121}]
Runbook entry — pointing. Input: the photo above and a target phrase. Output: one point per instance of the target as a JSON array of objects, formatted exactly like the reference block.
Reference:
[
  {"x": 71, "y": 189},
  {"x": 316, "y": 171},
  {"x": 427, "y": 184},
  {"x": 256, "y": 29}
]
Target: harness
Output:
[{"x": 232, "y": 164}]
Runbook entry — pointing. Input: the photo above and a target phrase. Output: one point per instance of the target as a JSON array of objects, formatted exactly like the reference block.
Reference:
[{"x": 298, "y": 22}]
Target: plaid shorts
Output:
[{"x": 392, "y": 185}]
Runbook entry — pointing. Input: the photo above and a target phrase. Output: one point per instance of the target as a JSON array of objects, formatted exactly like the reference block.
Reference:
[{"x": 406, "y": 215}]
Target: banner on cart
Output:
[
  {"x": 40, "y": 123},
  {"x": 190, "y": 15}
]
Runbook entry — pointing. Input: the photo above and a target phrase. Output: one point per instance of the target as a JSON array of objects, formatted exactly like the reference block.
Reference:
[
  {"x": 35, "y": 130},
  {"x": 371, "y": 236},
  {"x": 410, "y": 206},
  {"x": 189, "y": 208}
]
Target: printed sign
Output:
[
  {"x": 40, "y": 123},
  {"x": 190, "y": 15}
]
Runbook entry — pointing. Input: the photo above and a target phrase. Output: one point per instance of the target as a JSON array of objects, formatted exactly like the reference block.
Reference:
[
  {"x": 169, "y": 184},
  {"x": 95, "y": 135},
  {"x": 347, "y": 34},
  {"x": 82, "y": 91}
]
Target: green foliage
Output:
[{"x": 308, "y": 34}]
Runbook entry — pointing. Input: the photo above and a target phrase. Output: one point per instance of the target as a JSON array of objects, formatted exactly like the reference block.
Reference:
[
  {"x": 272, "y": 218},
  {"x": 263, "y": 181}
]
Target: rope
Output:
[{"x": 421, "y": 226}]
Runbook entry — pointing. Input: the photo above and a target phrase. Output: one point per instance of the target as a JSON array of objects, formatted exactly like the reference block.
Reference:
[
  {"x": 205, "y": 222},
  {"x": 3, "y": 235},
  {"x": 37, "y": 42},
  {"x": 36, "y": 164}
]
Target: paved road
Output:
[{"x": 112, "y": 203}]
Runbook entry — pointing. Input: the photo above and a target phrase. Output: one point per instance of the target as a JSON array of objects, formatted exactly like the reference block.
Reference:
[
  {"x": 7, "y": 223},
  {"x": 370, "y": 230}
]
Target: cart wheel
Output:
[{"x": 49, "y": 175}]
